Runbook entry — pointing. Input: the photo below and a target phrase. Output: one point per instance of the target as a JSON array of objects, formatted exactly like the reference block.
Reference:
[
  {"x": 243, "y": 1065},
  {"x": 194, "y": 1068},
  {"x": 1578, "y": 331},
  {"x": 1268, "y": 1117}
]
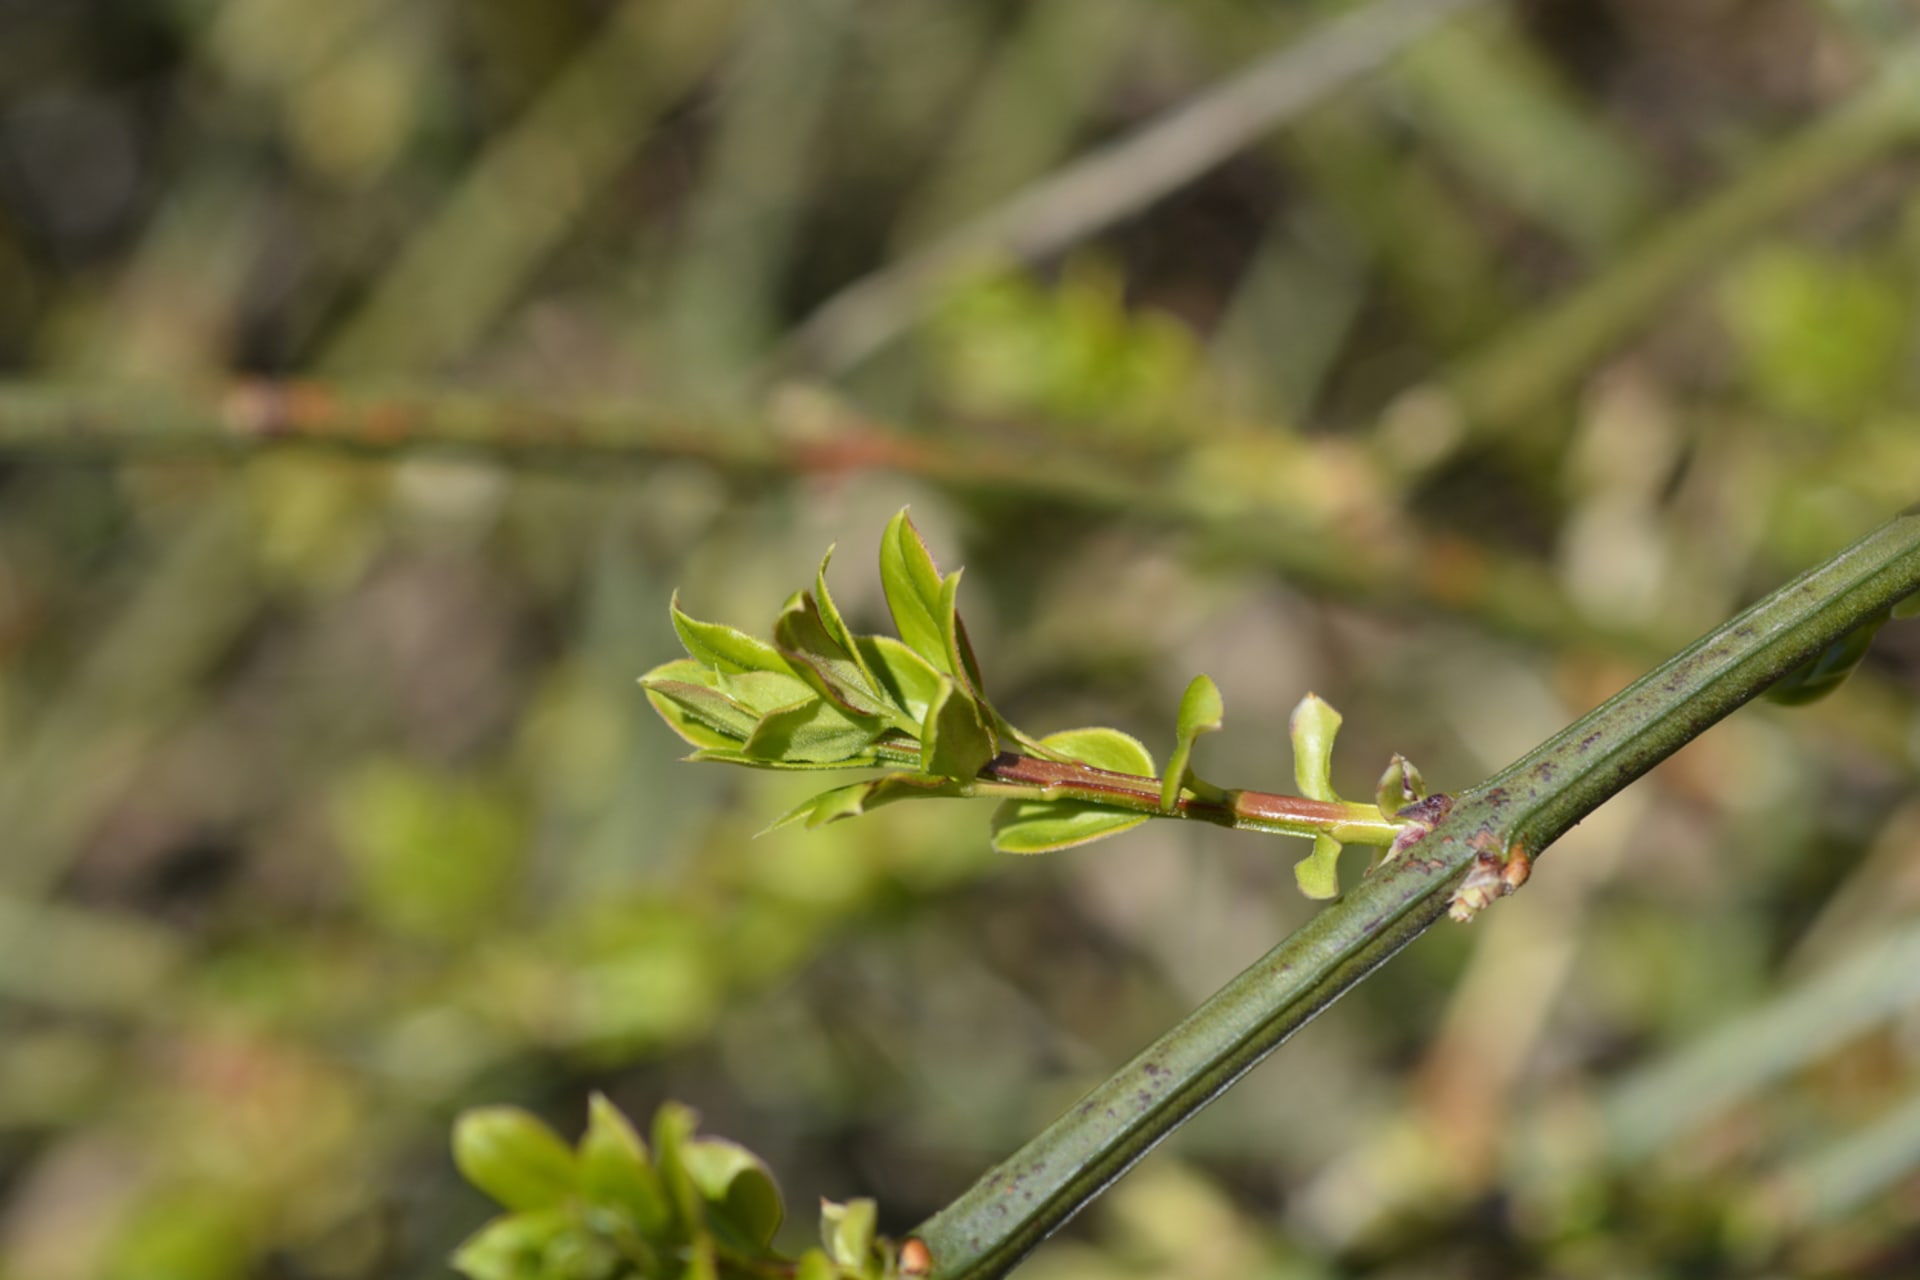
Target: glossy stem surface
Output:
[{"x": 1529, "y": 804}]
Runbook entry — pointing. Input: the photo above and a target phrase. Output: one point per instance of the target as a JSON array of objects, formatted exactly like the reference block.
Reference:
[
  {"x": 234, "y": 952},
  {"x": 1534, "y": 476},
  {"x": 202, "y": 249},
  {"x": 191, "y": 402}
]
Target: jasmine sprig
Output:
[{"x": 915, "y": 708}]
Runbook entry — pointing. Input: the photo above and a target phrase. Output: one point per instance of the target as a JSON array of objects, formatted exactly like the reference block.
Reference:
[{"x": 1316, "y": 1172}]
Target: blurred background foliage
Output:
[{"x": 1516, "y": 344}]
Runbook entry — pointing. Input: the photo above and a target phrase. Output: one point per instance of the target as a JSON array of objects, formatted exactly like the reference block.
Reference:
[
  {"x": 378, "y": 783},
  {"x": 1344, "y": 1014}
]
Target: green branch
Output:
[{"x": 1479, "y": 848}]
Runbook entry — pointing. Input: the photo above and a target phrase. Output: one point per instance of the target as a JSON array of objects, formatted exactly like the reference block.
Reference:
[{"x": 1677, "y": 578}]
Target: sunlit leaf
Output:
[
  {"x": 820, "y": 659},
  {"x": 515, "y": 1158},
  {"x": 683, "y": 694},
  {"x": 954, "y": 740},
  {"x": 1200, "y": 712},
  {"x": 1313, "y": 726},
  {"x": 835, "y": 626},
  {"x": 906, "y": 678},
  {"x": 953, "y": 634},
  {"x": 764, "y": 691},
  {"x": 1042, "y": 826},
  {"x": 912, "y": 585},
  {"x": 1107, "y": 749},
  {"x": 812, "y": 732},
  {"x": 723, "y": 647}
]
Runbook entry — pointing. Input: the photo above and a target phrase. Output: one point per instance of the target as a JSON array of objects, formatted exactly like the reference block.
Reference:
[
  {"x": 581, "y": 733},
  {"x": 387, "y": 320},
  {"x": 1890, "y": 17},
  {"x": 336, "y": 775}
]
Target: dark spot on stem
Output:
[{"x": 1589, "y": 740}]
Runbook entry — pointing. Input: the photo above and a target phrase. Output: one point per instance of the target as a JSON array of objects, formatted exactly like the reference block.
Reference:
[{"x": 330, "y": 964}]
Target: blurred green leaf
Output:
[
  {"x": 847, "y": 1231},
  {"x": 1201, "y": 711},
  {"x": 615, "y": 1171},
  {"x": 815, "y": 1265},
  {"x": 510, "y": 1154},
  {"x": 514, "y": 1247},
  {"x": 1043, "y": 826},
  {"x": 737, "y": 1186}
]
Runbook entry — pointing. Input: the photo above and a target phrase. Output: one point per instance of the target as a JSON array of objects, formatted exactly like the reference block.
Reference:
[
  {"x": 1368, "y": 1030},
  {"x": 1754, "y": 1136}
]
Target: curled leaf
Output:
[
  {"x": 1313, "y": 726},
  {"x": 818, "y": 658},
  {"x": 1043, "y": 826},
  {"x": 1201, "y": 711},
  {"x": 1400, "y": 785},
  {"x": 742, "y": 1199}
]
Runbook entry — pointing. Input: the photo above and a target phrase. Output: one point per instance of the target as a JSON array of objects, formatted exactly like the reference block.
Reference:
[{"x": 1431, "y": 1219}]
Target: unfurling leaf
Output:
[
  {"x": 1043, "y": 826},
  {"x": 1318, "y": 874},
  {"x": 1200, "y": 712},
  {"x": 1107, "y": 749},
  {"x": 954, "y": 740},
  {"x": 515, "y": 1158},
  {"x": 1400, "y": 786},
  {"x": 1313, "y": 727},
  {"x": 907, "y": 679}
]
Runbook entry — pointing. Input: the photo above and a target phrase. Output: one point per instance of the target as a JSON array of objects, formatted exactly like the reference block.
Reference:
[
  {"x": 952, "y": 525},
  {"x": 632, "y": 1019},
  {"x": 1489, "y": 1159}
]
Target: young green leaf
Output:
[
  {"x": 683, "y": 693},
  {"x": 1107, "y": 749},
  {"x": 1400, "y": 785},
  {"x": 954, "y": 739},
  {"x": 953, "y": 634},
  {"x": 861, "y": 797},
  {"x": 907, "y": 679},
  {"x": 812, "y": 732},
  {"x": 515, "y": 1158},
  {"x": 1200, "y": 712},
  {"x": 1313, "y": 727},
  {"x": 1042, "y": 826},
  {"x": 615, "y": 1172},
  {"x": 764, "y": 691},
  {"x": 1318, "y": 874},
  {"x": 817, "y": 657},
  {"x": 836, "y": 626},
  {"x": 912, "y": 585},
  {"x": 513, "y": 1247},
  {"x": 815, "y": 1265},
  {"x": 722, "y": 755},
  {"x": 722, "y": 647},
  {"x": 847, "y": 1231},
  {"x": 740, "y": 1192}
]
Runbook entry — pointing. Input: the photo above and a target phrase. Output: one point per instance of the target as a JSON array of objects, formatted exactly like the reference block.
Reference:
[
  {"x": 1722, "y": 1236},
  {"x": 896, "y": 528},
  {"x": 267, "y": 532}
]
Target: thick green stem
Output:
[{"x": 1523, "y": 808}]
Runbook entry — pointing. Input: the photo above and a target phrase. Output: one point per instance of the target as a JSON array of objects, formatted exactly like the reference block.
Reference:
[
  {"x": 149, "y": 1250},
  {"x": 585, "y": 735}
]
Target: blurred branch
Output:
[
  {"x": 1546, "y": 353},
  {"x": 1092, "y": 193},
  {"x": 1490, "y": 830}
]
